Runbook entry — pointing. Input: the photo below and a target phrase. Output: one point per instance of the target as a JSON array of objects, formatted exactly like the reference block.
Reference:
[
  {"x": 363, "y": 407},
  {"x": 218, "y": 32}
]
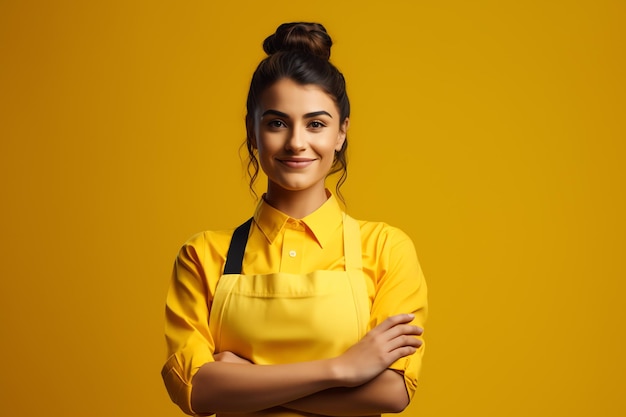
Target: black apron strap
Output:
[{"x": 237, "y": 247}]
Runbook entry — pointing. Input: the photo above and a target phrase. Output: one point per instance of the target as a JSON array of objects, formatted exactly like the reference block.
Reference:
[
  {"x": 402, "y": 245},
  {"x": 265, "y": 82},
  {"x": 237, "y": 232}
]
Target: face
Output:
[{"x": 297, "y": 131}]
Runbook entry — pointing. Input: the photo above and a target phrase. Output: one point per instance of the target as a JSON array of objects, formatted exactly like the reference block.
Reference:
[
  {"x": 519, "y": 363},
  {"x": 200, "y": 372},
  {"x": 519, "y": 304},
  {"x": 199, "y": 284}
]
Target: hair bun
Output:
[{"x": 311, "y": 38}]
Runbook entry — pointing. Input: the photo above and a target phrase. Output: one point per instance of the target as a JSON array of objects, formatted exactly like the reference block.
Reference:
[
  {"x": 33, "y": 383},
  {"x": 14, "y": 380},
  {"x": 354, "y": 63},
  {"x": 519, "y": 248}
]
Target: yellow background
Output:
[{"x": 491, "y": 131}]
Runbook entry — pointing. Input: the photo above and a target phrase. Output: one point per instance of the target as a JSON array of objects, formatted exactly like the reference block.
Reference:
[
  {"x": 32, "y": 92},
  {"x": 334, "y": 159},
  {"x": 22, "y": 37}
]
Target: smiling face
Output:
[{"x": 297, "y": 131}]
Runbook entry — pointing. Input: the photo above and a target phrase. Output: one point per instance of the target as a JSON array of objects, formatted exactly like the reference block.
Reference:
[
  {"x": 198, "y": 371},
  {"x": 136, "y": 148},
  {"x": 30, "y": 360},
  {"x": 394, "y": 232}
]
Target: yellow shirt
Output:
[{"x": 279, "y": 243}]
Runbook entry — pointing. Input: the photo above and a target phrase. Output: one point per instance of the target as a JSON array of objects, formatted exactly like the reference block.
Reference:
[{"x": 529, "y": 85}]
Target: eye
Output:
[
  {"x": 276, "y": 124},
  {"x": 316, "y": 124}
]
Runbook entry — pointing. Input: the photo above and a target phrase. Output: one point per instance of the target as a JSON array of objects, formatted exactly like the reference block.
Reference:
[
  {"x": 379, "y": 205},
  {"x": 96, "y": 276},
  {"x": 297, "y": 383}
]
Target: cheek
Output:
[
  {"x": 334, "y": 145},
  {"x": 328, "y": 154},
  {"x": 267, "y": 145}
]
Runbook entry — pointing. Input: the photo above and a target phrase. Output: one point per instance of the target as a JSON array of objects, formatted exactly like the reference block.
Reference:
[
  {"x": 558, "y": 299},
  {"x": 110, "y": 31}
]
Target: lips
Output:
[{"x": 296, "y": 162}]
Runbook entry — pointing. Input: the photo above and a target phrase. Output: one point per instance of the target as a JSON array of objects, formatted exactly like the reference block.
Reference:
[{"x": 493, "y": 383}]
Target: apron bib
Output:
[{"x": 284, "y": 318}]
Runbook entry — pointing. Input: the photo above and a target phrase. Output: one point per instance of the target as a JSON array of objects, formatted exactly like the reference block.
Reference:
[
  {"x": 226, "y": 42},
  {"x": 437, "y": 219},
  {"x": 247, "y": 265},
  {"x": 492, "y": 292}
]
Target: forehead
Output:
[{"x": 294, "y": 99}]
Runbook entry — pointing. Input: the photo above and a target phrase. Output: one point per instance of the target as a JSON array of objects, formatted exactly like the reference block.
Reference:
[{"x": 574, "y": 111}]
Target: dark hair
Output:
[{"x": 298, "y": 51}]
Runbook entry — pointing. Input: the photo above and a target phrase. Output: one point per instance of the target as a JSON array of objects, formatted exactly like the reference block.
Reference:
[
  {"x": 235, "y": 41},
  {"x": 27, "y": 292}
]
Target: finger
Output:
[
  {"x": 400, "y": 330},
  {"x": 402, "y": 352},
  {"x": 409, "y": 329},
  {"x": 403, "y": 341},
  {"x": 394, "y": 321}
]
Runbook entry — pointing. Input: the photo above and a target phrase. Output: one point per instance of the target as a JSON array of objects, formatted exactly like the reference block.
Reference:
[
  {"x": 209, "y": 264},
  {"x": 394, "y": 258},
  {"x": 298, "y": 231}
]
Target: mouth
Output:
[{"x": 296, "y": 162}]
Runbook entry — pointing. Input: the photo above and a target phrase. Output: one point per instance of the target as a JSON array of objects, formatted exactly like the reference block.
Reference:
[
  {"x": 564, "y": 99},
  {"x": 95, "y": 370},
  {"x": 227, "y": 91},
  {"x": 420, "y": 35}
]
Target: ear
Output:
[
  {"x": 343, "y": 132},
  {"x": 250, "y": 132}
]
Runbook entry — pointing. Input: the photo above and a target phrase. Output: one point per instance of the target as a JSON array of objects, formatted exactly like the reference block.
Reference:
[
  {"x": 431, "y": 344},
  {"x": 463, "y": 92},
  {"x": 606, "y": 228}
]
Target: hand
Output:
[
  {"x": 380, "y": 347},
  {"x": 230, "y": 357}
]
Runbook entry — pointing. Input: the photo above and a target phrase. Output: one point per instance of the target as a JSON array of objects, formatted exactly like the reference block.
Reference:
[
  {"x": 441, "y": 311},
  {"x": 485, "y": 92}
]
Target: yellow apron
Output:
[{"x": 284, "y": 318}]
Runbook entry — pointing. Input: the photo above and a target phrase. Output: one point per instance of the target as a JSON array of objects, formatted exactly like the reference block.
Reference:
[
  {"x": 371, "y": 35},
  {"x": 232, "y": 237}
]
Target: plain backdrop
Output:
[{"x": 492, "y": 132}]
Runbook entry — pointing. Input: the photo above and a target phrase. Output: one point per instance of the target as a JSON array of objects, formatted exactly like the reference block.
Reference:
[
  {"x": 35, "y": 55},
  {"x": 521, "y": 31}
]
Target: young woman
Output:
[{"x": 302, "y": 309}]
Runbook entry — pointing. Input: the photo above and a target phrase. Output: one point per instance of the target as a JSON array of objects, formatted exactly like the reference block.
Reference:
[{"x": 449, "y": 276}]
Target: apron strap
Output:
[
  {"x": 354, "y": 270},
  {"x": 352, "y": 244},
  {"x": 234, "y": 258}
]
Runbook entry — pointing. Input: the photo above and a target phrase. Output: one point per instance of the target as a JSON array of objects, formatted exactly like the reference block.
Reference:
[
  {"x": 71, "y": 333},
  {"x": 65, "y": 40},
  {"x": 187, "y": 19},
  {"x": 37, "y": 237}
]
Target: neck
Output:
[{"x": 296, "y": 204}]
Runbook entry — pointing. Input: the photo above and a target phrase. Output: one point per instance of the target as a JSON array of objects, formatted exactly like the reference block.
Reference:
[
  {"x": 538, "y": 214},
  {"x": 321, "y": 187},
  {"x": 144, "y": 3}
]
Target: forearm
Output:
[
  {"x": 384, "y": 394},
  {"x": 231, "y": 387},
  {"x": 228, "y": 385}
]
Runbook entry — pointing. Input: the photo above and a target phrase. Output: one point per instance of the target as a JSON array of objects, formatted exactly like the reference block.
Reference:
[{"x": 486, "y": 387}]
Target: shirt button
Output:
[{"x": 292, "y": 253}]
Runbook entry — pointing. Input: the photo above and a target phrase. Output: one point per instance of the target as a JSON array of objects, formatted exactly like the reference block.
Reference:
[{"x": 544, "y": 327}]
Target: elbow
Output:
[
  {"x": 199, "y": 403},
  {"x": 396, "y": 398},
  {"x": 178, "y": 390},
  {"x": 198, "y": 407},
  {"x": 397, "y": 404}
]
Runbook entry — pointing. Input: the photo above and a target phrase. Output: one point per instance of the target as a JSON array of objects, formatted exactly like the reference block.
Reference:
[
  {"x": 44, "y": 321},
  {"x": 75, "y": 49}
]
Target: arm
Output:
[
  {"x": 384, "y": 394},
  {"x": 226, "y": 386},
  {"x": 399, "y": 287}
]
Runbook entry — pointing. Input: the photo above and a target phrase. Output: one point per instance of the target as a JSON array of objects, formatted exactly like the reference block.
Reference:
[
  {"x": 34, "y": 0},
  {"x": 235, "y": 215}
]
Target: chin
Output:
[{"x": 295, "y": 186}]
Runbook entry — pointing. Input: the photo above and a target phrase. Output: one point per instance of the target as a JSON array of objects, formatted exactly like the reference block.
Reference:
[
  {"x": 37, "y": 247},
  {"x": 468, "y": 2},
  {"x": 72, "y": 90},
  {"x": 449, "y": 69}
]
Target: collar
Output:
[{"x": 322, "y": 223}]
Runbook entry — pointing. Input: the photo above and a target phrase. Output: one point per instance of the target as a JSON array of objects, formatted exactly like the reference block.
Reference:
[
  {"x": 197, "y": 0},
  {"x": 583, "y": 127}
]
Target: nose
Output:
[{"x": 296, "y": 140}]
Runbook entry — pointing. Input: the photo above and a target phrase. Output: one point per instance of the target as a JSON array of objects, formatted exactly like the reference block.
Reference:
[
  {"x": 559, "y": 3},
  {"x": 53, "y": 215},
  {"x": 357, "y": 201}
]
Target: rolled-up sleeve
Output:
[
  {"x": 189, "y": 341},
  {"x": 400, "y": 288}
]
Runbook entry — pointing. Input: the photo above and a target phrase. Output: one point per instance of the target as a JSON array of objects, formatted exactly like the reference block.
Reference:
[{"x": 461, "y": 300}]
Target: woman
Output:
[{"x": 302, "y": 309}]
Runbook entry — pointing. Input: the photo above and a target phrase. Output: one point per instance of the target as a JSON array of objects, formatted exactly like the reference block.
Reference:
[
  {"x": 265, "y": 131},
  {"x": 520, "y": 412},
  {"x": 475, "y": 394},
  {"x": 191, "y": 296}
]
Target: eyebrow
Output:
[{"x": 286, "y": 116}]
